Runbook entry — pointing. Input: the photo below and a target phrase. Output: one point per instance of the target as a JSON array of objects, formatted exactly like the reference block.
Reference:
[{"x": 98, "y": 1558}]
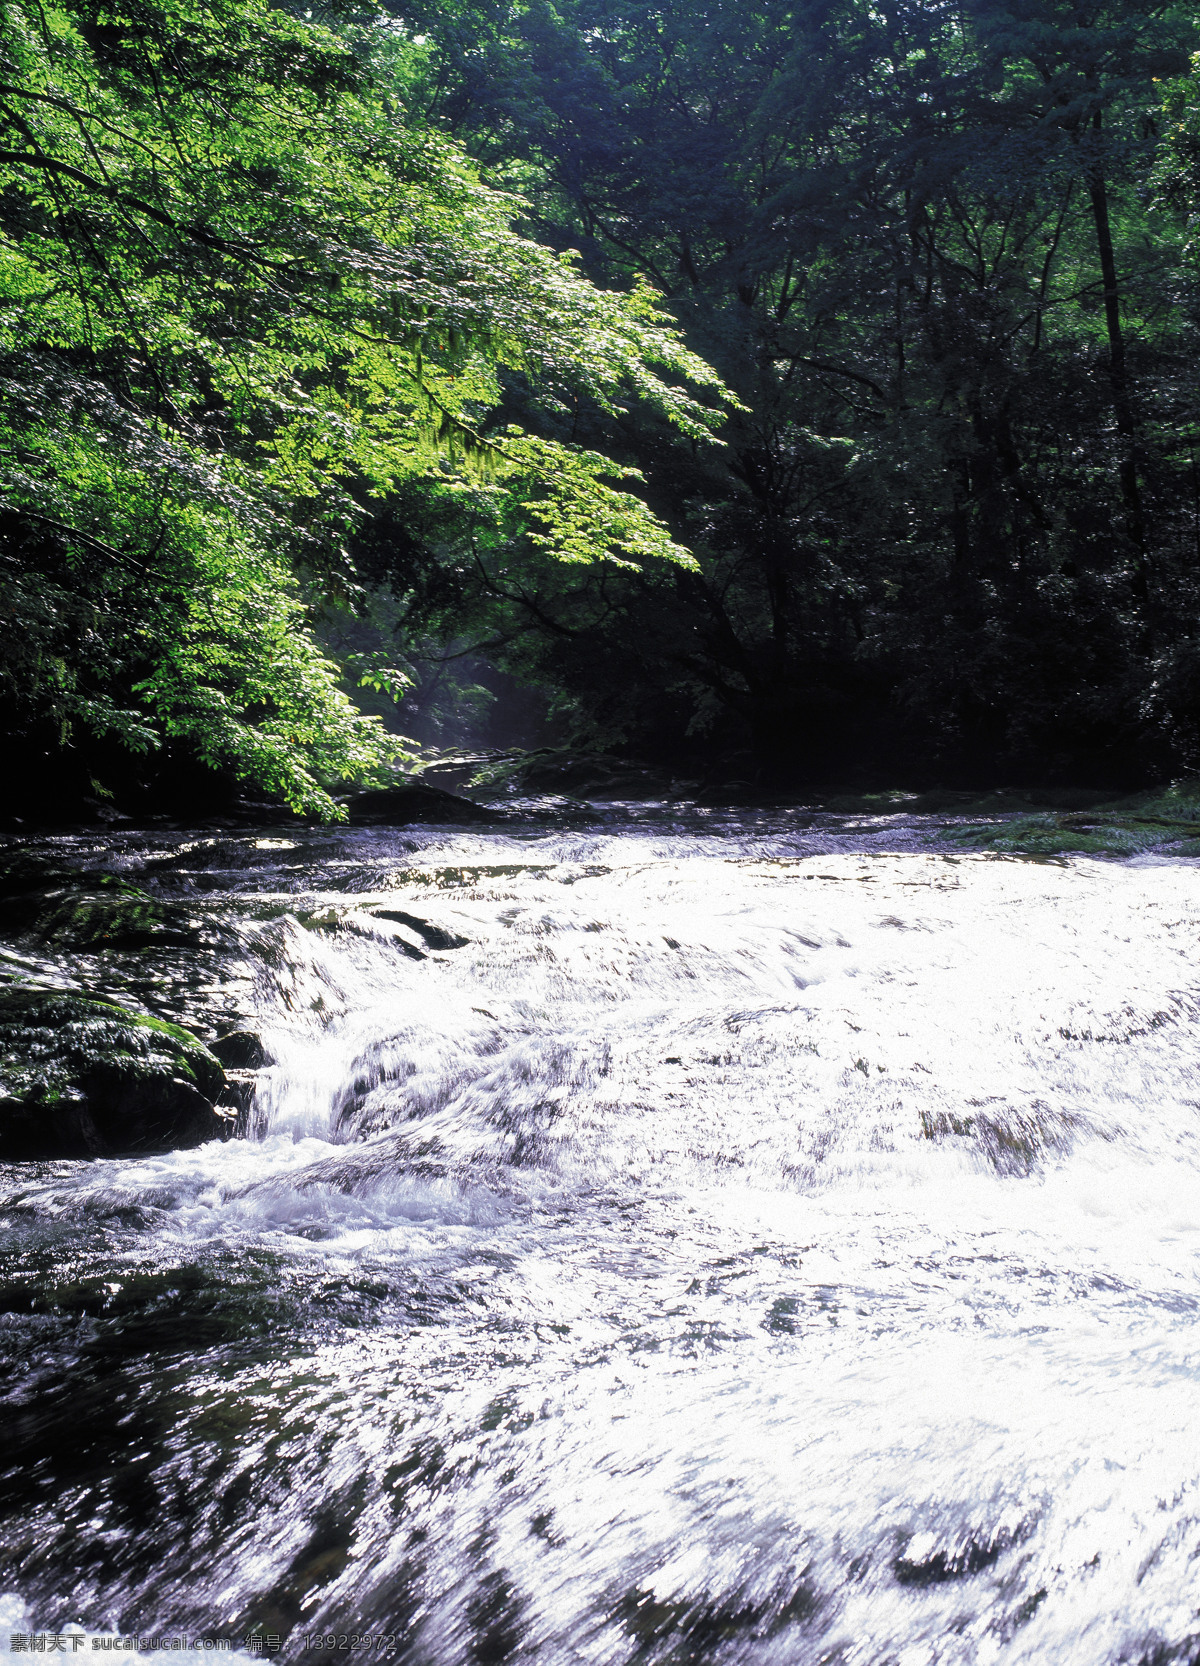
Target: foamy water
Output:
[{"x": 724, "y": 1253}]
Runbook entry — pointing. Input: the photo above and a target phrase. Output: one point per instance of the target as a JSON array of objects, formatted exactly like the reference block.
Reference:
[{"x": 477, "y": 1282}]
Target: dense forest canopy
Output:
[{"x": 412, "y": 313}]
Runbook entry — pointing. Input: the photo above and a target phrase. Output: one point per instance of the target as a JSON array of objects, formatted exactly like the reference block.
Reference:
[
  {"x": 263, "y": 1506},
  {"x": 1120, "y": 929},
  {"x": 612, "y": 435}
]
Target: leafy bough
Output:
[{"x": 241, "y": 296}]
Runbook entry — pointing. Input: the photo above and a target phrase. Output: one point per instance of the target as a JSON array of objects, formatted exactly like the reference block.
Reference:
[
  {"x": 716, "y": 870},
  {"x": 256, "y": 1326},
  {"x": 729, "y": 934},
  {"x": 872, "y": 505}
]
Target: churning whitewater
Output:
[{"x": 650, "y": 1245}]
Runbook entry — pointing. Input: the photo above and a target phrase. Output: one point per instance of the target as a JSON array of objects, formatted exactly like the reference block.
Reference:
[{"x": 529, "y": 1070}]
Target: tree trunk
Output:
[{"x": 1117, "y": 370}]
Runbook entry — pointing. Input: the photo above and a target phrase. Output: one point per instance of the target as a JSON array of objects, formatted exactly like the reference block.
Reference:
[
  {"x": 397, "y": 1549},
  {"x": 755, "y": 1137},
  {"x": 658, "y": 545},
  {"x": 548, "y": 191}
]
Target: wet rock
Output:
[
  {"x": 85, "y": 1078},
  {"x": 591, "y": 775},
  {"x": 23, "y": 869},
  {"x": 237, "y": 1101},
  {"x": 241, "y": 1050},
  {"x": 926, "y": 1560},
  {"x": 89, "y": 910},
  {"x": 434, "y": 937},
  {"x": 1015, "y": 1140},
  {"x": 411, "y": 802}
]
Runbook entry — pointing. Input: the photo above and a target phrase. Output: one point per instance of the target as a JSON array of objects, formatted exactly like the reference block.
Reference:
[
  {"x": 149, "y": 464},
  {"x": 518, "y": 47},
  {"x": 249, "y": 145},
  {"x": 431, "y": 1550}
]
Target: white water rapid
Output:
[{"x": 709, "y": 1251}]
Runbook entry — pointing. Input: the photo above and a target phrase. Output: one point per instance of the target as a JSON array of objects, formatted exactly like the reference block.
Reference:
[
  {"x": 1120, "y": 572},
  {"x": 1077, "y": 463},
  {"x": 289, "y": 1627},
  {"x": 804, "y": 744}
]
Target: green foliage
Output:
[
  {"x": 270, "y": 345},
  {"x": 942, "y": 256},
  {"x": 241, "y": 293}
]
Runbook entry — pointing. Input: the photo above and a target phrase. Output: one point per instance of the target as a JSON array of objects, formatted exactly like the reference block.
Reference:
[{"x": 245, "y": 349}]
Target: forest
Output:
[{"x": 798, "y": 392}]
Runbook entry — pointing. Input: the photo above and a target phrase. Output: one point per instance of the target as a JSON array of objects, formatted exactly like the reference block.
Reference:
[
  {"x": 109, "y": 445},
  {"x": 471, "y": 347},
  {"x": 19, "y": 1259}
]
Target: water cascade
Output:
[{"x": 740, "y": 1244}]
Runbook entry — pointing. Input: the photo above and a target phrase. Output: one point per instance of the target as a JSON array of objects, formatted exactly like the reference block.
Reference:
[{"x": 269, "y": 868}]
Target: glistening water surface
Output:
[{"x": 737, "y": 1241}]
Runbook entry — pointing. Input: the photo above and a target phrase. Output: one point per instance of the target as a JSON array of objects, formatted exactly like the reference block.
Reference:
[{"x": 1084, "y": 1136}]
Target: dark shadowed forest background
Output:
[{"x": 796, "y": 392}]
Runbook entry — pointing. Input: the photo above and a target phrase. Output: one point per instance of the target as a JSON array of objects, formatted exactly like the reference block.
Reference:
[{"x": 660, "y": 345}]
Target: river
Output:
[{"x": 748, "y": 1239}]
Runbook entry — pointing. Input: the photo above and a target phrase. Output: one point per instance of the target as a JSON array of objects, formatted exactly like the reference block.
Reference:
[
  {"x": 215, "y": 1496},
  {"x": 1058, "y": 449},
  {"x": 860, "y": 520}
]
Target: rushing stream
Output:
[{"x": 740, "y": 1241}]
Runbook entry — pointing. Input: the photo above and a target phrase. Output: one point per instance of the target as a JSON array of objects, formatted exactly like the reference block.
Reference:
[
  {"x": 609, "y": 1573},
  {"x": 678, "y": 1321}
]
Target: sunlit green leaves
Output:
[{"x": 239, "y": 294}]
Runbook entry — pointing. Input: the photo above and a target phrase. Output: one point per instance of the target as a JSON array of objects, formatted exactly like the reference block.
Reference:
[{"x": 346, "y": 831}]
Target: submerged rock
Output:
[{"x": 85, "y": 1078}]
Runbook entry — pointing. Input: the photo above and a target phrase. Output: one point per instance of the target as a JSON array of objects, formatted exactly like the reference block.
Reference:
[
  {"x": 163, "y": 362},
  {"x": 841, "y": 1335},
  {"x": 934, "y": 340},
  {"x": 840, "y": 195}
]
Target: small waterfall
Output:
[{"x": 655, "y": 1248}]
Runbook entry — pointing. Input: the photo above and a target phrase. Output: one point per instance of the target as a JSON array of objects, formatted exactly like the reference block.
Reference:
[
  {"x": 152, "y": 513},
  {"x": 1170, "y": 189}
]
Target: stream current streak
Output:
[{"x": 758, "y": 1248}]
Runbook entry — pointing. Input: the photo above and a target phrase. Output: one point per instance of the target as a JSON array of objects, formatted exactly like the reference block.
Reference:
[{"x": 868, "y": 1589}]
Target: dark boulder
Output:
[
  {"x": 241, "y": 1050},
  {"x": 87, "y": 909},
  {"x": 24, "y": 869},
  {"x": 413, "y": 803},
  {"x": 589, "y": 776},
  {"x": 585, "y": 775},
  {"x": 86, "y": 1078}
]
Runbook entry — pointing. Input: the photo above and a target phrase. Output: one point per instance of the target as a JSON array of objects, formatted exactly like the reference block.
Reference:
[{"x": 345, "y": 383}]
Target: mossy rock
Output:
[
  {"x": 1095, "y": 833},
  {"x": 1174, "y": 805},
  {"x": 1164, "y": 819},
  {"x": 949, "y": 801},
  {"x": 86, "y": 1078},
  {"x": 1182, "y": 847},
  {"x": 1050, "y": 835},
  {"x": 94, "y": 911}
]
